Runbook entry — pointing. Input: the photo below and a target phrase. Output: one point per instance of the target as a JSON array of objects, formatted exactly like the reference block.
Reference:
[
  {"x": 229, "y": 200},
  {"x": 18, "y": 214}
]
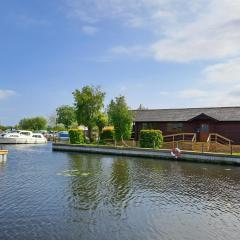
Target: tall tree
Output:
[
  {"x": 66, "y": 115},
  {"x": 121, "y": 118},
  {"x": 36, "y": 123},
  {"x": 101, "y": 122},
  {"x": 88, "y": 103}
]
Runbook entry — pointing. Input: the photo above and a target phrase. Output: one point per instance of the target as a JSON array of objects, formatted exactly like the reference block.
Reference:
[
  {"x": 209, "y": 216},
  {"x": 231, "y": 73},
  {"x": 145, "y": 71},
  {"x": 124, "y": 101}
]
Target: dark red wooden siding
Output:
[{"x": 230, "y": 130}]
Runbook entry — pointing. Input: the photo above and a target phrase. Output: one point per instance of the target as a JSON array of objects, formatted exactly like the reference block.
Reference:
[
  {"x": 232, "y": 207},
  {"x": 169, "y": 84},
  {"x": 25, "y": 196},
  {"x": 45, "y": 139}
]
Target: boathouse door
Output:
[{"x": 204, "y": 132}]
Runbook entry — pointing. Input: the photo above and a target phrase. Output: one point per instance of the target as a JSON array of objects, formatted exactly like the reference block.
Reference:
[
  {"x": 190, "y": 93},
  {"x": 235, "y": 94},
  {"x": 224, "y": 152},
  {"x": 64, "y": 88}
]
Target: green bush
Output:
[
  {"x": 107, "y": 133},
  {"x": 151, "y": 138},
  {"x": 76, "y": 136}
]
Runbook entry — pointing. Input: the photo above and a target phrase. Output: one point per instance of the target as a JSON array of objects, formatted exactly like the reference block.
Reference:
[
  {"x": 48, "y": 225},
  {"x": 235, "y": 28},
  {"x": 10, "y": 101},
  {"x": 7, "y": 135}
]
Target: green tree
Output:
[
  {"x": 59, "y": 127},
  {"x": 121, "y": 118},
  {"x": 101, "y": 122},
  {"x": 66, "y": 115},
  {"x": 36, "y": 123},
  {"x": 3, "y": 128},
  {"x": 88, "y": 103}
]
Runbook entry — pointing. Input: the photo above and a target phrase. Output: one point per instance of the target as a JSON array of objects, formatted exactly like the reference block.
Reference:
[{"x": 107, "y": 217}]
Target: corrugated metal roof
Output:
[{"x": 186, "y": 114}]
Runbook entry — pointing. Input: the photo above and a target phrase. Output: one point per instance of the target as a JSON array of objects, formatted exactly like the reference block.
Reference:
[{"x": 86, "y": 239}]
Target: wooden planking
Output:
[
  {"x": 227, "y": 129},
  {"x": 3, "y": 155},
  {"x": 3, "y": 152}
]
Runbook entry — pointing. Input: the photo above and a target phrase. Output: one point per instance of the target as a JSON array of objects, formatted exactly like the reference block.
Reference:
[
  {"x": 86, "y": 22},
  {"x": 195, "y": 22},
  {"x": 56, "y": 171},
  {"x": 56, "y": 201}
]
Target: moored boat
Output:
[
  {"x": 22, "y": 137},
  {"x": 63, "y": 136}
]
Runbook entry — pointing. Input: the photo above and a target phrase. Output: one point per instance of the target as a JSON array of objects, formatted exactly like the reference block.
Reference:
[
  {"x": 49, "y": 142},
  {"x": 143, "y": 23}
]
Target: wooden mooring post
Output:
[{"x": 3, "y": 155}]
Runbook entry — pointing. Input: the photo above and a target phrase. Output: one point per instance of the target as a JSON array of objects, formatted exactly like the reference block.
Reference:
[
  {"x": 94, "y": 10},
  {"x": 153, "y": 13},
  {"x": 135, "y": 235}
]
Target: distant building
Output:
[{"x": 202, "y": 121}]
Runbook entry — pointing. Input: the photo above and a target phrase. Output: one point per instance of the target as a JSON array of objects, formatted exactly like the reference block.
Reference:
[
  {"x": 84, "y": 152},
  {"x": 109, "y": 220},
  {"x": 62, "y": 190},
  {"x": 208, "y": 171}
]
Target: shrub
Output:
[
  {"x": 76, "y": 136},
  {"x": 121, "y": 118},
  {"x": 107, "y": 133},
  {"x": 151, "y": 138}
]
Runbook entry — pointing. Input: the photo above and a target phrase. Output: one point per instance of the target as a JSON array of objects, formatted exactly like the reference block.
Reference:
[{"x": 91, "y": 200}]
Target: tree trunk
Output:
[
  {"x": 90, "y": 134},
  {"x": 123, "y": 142}
]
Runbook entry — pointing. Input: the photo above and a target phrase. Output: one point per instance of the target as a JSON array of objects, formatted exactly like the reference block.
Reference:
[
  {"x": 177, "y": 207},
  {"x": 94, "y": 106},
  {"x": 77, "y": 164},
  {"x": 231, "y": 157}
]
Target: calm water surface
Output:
[{"x": 54, "y": 195}]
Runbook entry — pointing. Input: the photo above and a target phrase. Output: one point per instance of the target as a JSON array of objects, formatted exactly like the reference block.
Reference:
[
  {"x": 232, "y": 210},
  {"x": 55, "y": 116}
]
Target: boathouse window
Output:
[
  {"x": 147, "y": 126},
  {"x": 174, "y": 127},
  {"x": 204, "y": 127}
]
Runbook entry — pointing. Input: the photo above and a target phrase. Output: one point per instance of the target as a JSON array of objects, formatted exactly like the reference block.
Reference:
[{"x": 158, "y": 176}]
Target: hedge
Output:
[
  {"x": 76, "y": 136},
  {"x": 151, "y": 139},
  {"x": 107, "y": 133}
]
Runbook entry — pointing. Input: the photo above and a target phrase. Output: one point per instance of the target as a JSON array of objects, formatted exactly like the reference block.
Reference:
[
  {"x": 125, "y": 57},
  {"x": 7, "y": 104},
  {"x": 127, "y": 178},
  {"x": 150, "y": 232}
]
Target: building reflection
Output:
[{"x": 117, "y": 182}]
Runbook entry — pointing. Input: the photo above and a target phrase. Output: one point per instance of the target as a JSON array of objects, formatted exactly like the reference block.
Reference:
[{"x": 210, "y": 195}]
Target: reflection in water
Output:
[
  {"x": 2, "y": 165},
  {"x": 54, "y": 195},
  {"x": 120, "y": 184},
  {"x": 84, "y": 186}
]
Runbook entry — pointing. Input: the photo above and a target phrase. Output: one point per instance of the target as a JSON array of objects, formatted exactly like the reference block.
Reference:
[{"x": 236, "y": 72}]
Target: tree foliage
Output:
[
  {"x": 3, "y": 128},
  {"x": 66, "y": 115},
  {"x": 36, "y": 123},
  {"x": 121, "y": 118},
  {"x": 58, "y": 127},
  {"x": 107, "y": 133},
  {"x": 88, "y": 103},
  {"x": 101, "y": 122}
]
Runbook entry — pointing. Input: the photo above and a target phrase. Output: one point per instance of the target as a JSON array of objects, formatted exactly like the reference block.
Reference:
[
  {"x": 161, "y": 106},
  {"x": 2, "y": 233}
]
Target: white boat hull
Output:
[{"x": 22, "y": 141}]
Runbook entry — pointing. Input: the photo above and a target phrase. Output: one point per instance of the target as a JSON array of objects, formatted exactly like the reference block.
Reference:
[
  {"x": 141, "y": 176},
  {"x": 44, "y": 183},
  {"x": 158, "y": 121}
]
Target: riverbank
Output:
[{"x": 216, "y": 158}]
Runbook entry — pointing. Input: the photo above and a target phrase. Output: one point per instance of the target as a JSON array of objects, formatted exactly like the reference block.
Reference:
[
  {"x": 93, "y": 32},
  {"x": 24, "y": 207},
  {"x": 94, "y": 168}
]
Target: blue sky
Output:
[{"x": 159, "y": 53}]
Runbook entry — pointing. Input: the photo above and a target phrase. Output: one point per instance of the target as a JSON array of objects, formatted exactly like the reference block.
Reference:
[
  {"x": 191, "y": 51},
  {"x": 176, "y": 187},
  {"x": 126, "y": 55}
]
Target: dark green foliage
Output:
[
  {"x": 36, "y": 123},
  {"x": 102, "y": 142},
  {"x": 3, "y": 128},
  {"x": 66, "y": 115},
  {"x": 88, "y": 104},
  {"x": 151, "y": 138},
  {"x": 76, "y": 136},
  {"x": 107, "y": 134},
  {"x": 121, "y": 118}
]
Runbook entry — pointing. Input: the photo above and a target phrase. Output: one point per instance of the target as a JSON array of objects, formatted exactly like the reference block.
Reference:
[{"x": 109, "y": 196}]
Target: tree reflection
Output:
[
  {"x": 115, "y": 181},
  {"x": 84, "y": 183},
  {"x": 120, "y": 178}
]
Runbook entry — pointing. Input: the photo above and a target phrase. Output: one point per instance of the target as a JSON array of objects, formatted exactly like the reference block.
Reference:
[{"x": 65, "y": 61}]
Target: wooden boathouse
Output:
[{"x": 202, "y": 124}]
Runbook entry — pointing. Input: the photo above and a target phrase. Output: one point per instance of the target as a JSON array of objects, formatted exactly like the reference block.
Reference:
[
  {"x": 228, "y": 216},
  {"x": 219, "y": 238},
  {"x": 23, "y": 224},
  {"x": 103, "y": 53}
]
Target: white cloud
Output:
[
  {"x": 212, "y": 34},
  {"x": 216, "y": 97},
  {"x": 189, "y": 30},
  {"x": 226, "y": 72},
  {"x": 220, "y": 85},
  {"x": 6, "y": 94},
  {"x": 138, "y": 51},
  {"x": 182, "y": 31},
  {"x": 89, "y": 30},
  {"x": 193, "y": 93}
]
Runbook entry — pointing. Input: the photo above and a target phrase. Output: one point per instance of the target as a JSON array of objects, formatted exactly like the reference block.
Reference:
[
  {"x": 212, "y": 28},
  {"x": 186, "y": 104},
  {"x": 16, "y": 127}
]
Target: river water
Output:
[{"x": 55, "y": 195}]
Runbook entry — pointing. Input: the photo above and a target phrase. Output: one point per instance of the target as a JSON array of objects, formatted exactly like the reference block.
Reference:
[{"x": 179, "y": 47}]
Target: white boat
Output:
[{"x": 22, "y": 137}]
